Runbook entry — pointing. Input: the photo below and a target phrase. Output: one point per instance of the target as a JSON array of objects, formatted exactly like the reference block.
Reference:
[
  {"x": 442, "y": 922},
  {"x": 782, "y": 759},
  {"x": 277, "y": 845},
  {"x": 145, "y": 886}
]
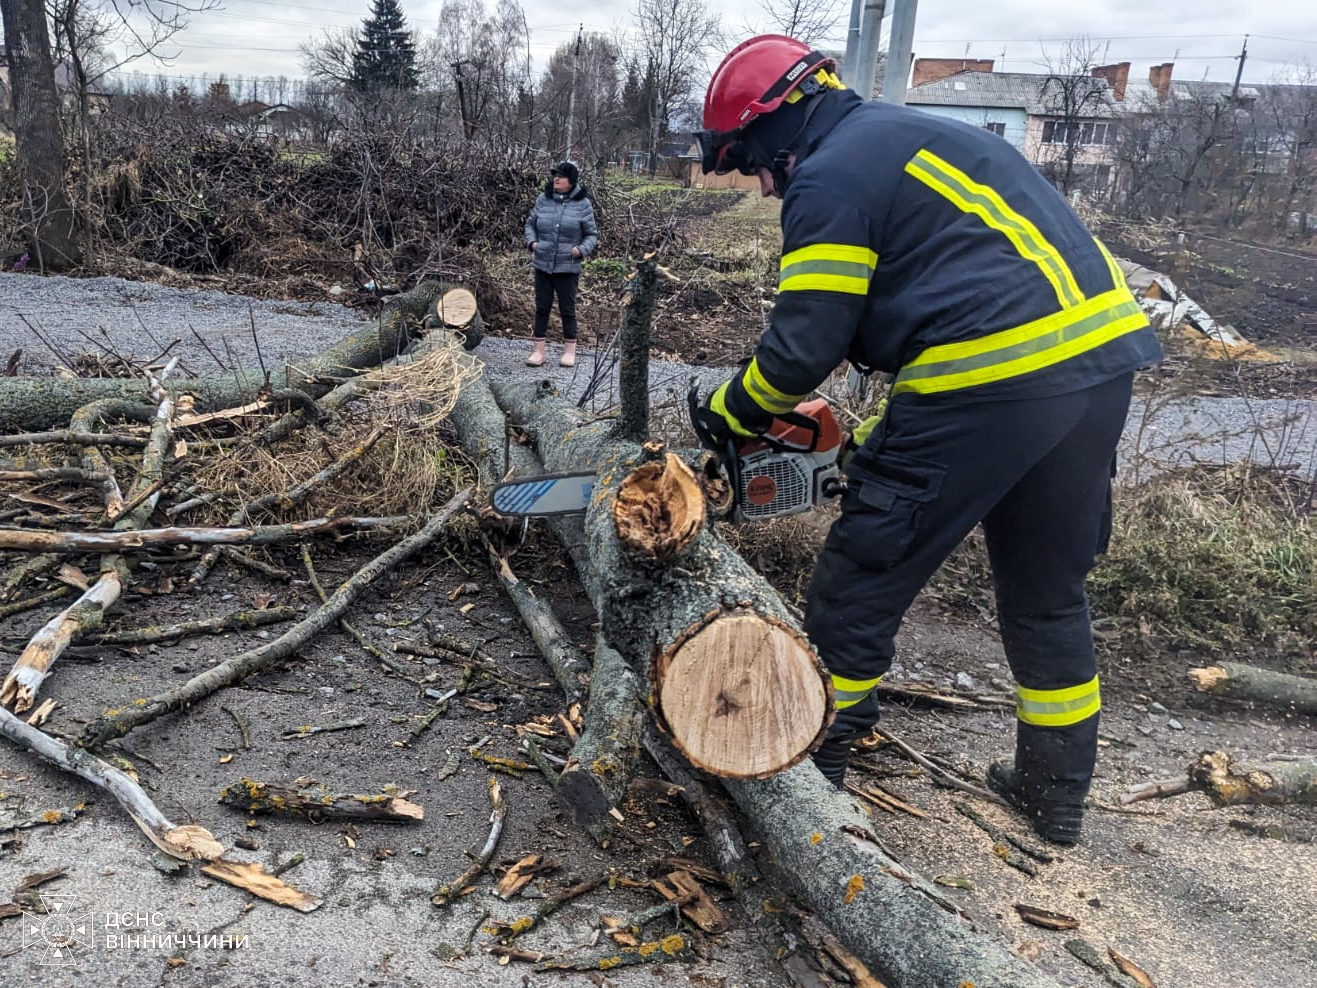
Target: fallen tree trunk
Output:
[
  {"x": 33, "y": 403},
  {"x": 74, "y": 542},
  {"x": 1244, "y": 682},
  {"x": 317, "y": 803},
  {"x": 732, "y": 681},
  {"x": 932, "y": 947}
]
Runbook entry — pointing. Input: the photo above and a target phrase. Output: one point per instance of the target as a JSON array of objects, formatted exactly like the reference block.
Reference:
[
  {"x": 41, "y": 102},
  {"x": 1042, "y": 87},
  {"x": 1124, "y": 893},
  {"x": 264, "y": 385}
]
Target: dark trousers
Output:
[
  {"x": 564, "y": 286},
  {"x": 1037, "y": 474}
]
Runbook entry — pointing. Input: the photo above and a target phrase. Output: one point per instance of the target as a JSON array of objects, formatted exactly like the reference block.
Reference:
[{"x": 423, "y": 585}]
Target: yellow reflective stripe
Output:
[
  {"x": 1058, "y": 708},
  {"x": 718, "y": 402},
  {"x": 764, "y": 394},
  {"x": 984, "y": 202},
  {"x": 849, "y": 692},
  {"x": 1023, "y": 349},
  {"x": 1117, "y": 275},
  {"x": 844, "y": 268}
]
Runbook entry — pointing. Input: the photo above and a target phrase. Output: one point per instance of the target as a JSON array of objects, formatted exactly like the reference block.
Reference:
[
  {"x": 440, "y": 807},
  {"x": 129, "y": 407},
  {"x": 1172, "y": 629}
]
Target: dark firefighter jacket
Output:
[{"x": 933, "y": 251}]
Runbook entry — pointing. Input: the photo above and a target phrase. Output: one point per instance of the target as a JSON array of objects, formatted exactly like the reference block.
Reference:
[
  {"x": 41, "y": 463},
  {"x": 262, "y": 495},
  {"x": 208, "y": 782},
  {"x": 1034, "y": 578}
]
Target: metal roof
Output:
[{"x": 1025, "y": 91}]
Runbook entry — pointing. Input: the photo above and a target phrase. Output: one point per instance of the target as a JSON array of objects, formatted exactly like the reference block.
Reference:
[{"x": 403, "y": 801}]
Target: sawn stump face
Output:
[{"x": 742, "y": 698}]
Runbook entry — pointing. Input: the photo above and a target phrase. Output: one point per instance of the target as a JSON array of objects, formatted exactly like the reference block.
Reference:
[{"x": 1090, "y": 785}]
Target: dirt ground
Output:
[{"x": 1194, "y": 895}]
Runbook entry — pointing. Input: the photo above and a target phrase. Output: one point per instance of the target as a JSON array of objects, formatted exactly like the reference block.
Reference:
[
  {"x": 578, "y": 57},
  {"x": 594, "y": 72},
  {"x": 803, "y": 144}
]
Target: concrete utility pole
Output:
[
  {"x": 866, "y": 51},
  {"x": 1239, "y": 72},
  {"x": 571, "y": 101},
  {"x": 852, "y": 43},
  {"x": 898, "y": 51}
]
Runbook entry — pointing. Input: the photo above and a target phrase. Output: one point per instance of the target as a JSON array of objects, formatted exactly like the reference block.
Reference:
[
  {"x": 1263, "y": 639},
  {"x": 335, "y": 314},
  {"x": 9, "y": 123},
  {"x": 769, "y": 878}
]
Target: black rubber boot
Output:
[
  {"x": 1056, "y": 816},
  {"x": 832, "y": 758}
]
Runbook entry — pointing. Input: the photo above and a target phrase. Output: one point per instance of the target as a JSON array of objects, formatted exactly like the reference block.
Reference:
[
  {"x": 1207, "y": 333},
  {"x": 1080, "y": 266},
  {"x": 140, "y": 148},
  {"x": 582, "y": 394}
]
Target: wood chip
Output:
[
  {"x": 701, "y": 910},
  {"x": 1129, "y": 968},
  {"x": 38, "y": 879},
  {"x": 520, "y": 875},
  {"x": 42, "y": 713},
  {"x": 1047, "y": 920},
  {"x": 480, "y": 705},
  {"x": 861, "y": 976},
  {"x": 254, "y": 879},
  {"x": 74, "y": 577}
]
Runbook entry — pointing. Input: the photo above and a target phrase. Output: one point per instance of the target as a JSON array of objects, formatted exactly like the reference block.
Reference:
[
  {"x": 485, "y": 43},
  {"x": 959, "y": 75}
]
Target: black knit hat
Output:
[{"x": 568, "y": 170}]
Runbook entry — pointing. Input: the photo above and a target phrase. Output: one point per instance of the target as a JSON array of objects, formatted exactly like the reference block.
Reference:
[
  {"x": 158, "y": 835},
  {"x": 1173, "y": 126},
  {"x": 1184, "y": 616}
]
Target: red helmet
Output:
[{"x": 756, "y": 77}]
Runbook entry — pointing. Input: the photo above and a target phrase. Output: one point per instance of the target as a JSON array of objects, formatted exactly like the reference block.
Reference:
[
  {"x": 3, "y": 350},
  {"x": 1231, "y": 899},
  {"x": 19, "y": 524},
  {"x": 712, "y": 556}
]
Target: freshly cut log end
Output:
[
  {"x": 457, "y": 310},
  {"x": 1211, "y": 679},
  {"x": 743, "y": 696},
  {"x": 659, "y": 509}
]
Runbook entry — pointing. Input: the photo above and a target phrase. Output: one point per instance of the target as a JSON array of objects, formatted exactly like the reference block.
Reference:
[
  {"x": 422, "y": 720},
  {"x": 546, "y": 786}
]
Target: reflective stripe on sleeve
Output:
[
  {"x": 1058, "y": 708},
  {"x": 1023, "y": 349},
  {"x": 718, "y": 402},
  {"x": 987, "y": 204},
  {"x": 844, "y": 268},
  {"x": 849, "y": 692},
  {"x": 763, "y": 394}
]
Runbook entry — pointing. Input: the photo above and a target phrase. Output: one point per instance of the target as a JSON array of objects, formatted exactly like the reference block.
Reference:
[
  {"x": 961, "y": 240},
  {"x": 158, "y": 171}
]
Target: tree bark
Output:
[
  {"x": 317, "y": 803},
  {"x": 32, "y": 403},
  {"x": 732, "y": 680},
  {"x": 603, "y": 760},
  {"x": 39, "y": 138},
  {"x": 1244, "y": 682},
  {"x": 633, "y": 351}
]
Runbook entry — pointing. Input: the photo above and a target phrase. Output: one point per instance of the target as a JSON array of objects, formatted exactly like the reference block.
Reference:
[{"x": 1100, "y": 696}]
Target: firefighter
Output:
[{"x": 933, "y": 252}]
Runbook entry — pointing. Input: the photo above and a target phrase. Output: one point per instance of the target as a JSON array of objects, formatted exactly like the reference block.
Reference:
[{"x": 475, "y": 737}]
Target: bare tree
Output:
[
  {"x": 810, "y": 21},
  {"x": 52, "y": 232},
  {"x": 1077, "y": 107},
  {"x": 674, "y": 40},
  {"x": 600, "y": 123}
]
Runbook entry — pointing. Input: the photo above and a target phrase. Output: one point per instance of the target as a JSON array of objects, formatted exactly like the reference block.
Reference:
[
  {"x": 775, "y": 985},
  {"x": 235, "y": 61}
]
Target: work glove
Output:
[
  {"x": 716, "y": 426},
  {"x": 861, "y": 433}
]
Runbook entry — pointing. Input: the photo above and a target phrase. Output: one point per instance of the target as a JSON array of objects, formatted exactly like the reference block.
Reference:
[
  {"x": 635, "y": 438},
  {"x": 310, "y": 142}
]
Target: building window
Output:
[
  {"x": 1085, "y": 132},
  {"x": 997, "y": 128}
]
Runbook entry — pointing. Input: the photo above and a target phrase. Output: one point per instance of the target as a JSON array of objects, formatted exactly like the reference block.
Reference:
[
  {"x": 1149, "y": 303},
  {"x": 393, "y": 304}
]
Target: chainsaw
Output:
[{"x": 789, "y": 469}]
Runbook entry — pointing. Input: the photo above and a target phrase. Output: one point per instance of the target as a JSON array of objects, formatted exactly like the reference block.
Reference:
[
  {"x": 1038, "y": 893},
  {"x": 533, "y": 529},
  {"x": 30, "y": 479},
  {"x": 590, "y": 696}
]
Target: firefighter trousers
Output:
[{"x": 1036, "y": 473}]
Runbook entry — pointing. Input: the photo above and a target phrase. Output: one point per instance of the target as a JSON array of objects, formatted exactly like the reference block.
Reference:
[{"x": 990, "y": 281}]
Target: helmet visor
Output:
[{"x": 723, "y": 152}]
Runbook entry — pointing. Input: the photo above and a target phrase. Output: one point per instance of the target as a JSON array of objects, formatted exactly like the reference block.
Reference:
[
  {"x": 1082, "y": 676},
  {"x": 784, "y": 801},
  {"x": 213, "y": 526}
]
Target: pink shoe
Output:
[
  {"x": 536, "y": 358},
  {"x": 568, "y": 358}
]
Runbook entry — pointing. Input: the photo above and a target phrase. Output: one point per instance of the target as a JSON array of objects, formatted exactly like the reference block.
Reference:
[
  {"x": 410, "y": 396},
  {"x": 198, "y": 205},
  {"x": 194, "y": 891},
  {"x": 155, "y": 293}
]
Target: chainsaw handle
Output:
[{"x": 798, "y": 421}]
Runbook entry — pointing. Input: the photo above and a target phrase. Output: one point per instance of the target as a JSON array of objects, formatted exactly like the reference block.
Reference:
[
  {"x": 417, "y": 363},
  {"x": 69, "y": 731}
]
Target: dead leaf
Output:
[
  {"x": 175, "y": 962},
  {"x": 624, "y": 938},
  {"x": 1046, "y": 919},
  {"x": 74, "y": 577},
  {"x": 481, "y": 705},
  {"x": 1129, "y": 968},
  {"x": 463, "y": 588},
  {"x": 262, "y": 600},
  {"x": 254, "y": 879}
]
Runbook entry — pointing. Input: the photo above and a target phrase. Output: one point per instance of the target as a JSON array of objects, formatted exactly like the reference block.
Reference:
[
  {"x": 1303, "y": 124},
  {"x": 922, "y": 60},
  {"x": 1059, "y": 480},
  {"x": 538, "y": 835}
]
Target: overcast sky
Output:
[{"x": 262, "y": 37}]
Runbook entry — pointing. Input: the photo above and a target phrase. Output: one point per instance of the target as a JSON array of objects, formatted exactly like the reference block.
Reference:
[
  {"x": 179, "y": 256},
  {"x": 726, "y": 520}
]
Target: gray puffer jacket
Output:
[{"x": 559, "y": 223}]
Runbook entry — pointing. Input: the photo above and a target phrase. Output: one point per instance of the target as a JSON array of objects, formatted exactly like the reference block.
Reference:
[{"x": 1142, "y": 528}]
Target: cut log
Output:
[
  {"x": 317, "y": 803},
  {"x": 1227, "y": 783},
  {"x": 32, "y": 403},
  {"x": 1244, "y": 682},
  {"x": 734, "y": 683}
]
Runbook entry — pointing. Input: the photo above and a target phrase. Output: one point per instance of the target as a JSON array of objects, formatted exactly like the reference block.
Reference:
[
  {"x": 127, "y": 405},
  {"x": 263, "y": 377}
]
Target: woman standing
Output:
[{"x": 560, "y": 233}]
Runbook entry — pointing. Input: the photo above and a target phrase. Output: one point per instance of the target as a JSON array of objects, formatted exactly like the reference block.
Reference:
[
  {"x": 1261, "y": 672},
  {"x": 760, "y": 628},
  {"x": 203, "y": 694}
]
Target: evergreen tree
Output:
[{"x": 386, "y": 56}]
